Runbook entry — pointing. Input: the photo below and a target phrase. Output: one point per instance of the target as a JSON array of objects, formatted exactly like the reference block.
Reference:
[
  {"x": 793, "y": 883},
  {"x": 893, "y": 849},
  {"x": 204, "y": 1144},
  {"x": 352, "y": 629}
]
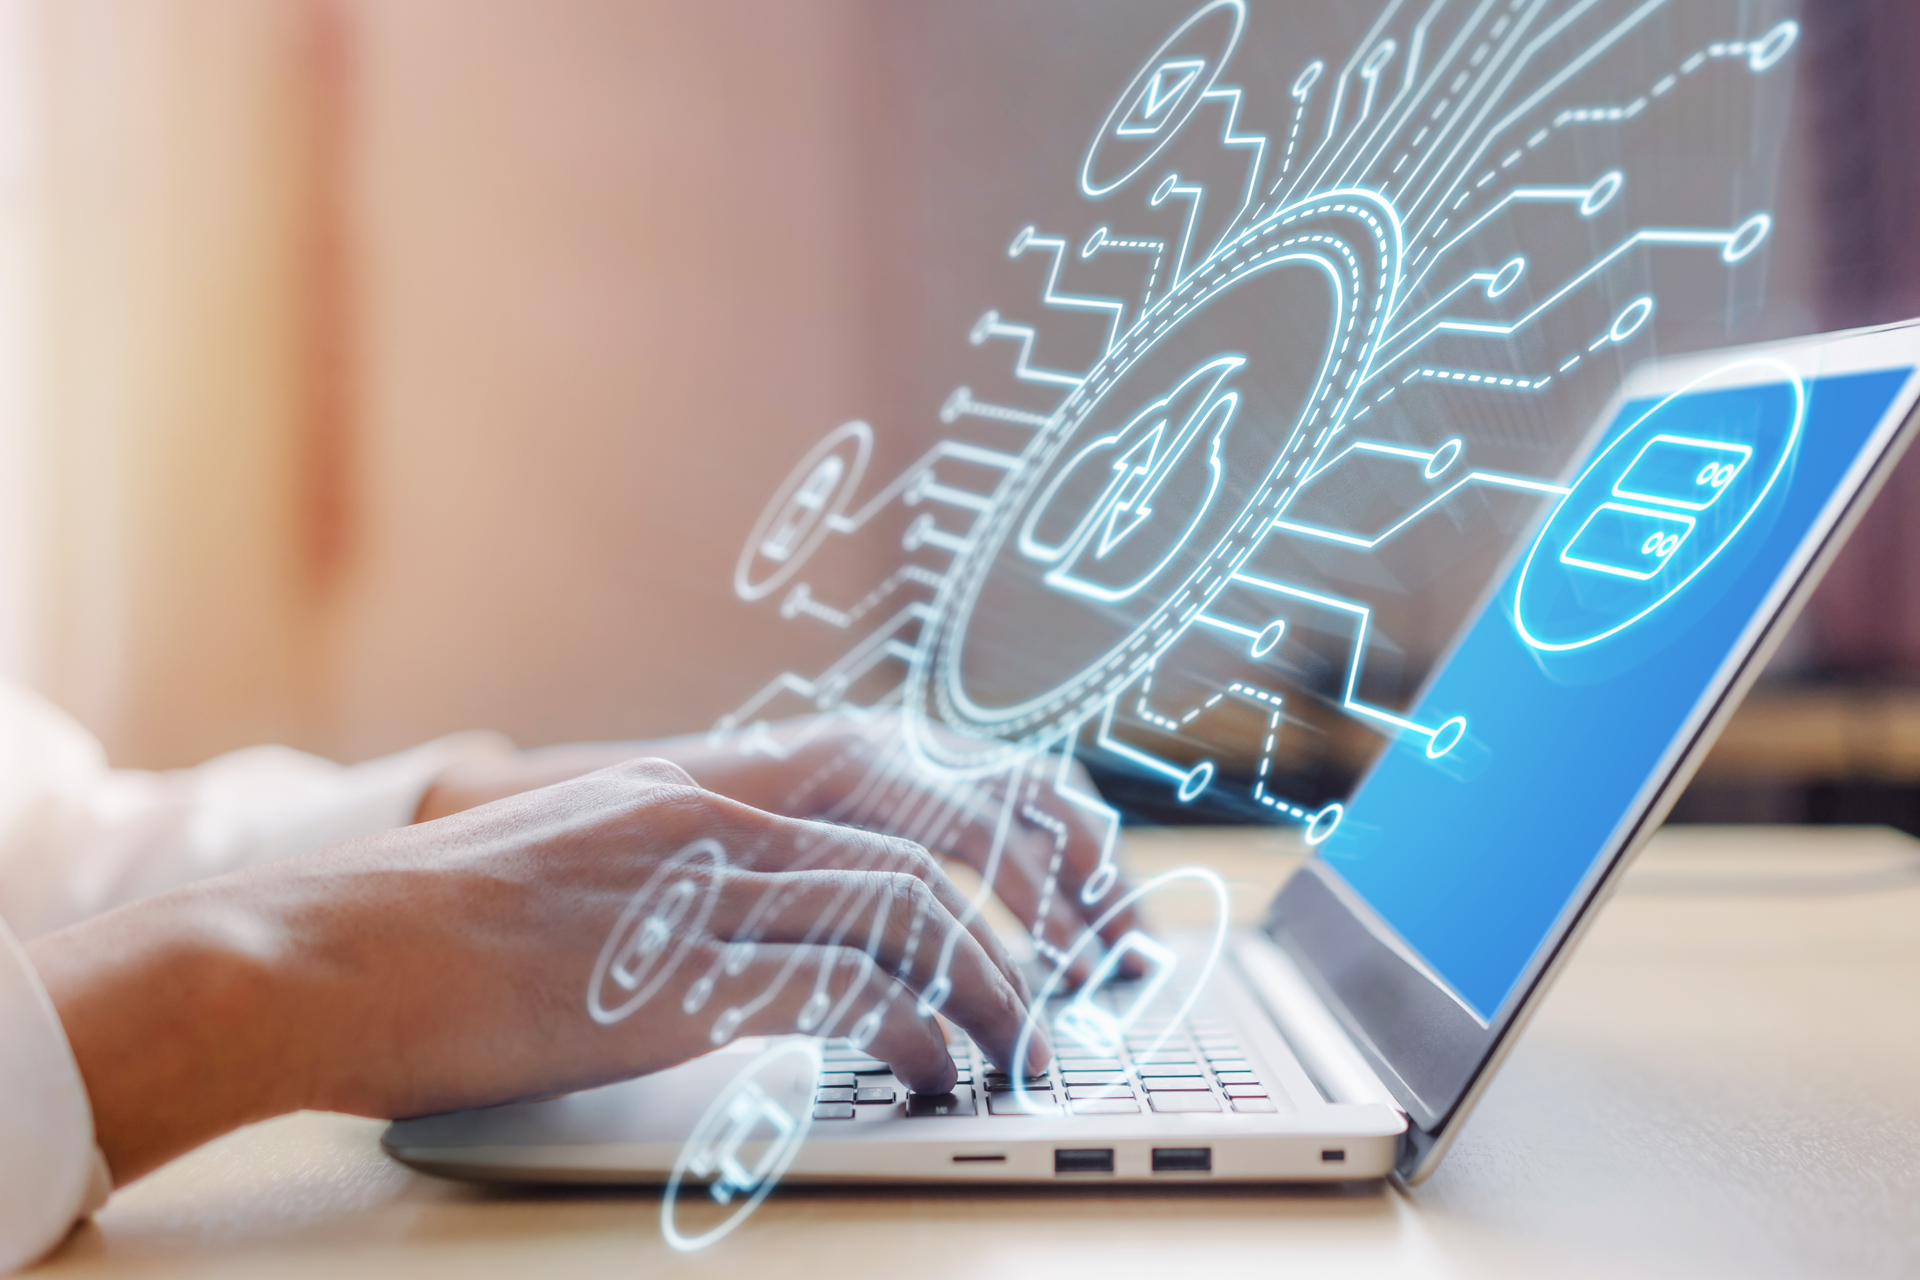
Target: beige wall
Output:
[{"x": 420, "y": 364}]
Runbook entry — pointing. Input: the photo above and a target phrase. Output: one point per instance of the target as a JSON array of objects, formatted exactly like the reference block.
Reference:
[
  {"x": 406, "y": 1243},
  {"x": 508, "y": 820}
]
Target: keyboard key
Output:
[
  {"x": 1254, "y": 1104},
  {"x": 1184, "y": 1101},
  {"x": 868, "y": 1097},
  {"x": 1003, "y": 1085},
  {"x": 1093, "y": 1077},
  {"x": 833, "y": 1095},
  {"x": 957, "y": 1103},
  {"x": 837, "y": 1080},
  {"x": 1038, "y": 1104},
  {"x": 1171, "y": 1069},
  {"x": 1246, "y": 1090},
  {"x": 1235, "y": 1063},
  {"x": 1075, "y": 1062},
  {"x": 1105, "y": 1107},
  {"x": 1175, "y": 1084},
  {"x": 833, "y": 1111},
  {"x": 1180, "y": 1056},
  {"x": 1121, "y": 1090},
  {"x": 861, "y": 1067},
  {"x": 1237, "y": 1077}
]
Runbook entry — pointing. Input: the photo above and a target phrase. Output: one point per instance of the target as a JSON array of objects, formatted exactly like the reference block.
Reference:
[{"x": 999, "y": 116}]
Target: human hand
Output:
[
  {"x": 601, "y": 928},
  {"x": 1035, "y": 830}
]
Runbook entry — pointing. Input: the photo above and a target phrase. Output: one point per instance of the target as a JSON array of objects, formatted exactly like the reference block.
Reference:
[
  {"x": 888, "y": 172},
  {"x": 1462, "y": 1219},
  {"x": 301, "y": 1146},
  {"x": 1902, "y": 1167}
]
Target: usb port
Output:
[
  {"x": 1333, "y": 1155},
  {"x": 1084, "y": 1160},
  {"x": 979, "y": 1159},
  {"x": 1183, "y": 1159}
]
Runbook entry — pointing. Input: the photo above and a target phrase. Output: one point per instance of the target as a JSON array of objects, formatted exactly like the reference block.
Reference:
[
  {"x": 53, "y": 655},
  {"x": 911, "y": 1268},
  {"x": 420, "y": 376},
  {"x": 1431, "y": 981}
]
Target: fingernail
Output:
[{"x": 1039, "y": 1050}]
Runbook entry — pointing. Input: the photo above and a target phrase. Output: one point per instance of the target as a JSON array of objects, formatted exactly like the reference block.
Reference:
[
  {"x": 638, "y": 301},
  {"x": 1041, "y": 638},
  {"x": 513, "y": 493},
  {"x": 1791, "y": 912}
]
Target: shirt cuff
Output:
[{"x": 51, "y": 1174}]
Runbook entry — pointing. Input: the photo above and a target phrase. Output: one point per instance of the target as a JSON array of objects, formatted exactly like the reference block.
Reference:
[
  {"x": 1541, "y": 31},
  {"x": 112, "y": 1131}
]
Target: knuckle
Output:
[
  {"x": 911, "y": 891},
  {"x": 913, "y": 853}
]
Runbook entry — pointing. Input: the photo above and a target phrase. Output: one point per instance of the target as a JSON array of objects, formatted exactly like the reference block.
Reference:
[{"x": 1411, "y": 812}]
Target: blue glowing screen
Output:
[{"x": 1588, "y": 661}]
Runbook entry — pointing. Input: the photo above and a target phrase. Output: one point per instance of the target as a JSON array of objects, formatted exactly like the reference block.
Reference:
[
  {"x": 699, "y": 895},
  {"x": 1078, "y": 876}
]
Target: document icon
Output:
[
  {"x": 1088, "y": 1020},
  {"x": 750, "y": 1116}
]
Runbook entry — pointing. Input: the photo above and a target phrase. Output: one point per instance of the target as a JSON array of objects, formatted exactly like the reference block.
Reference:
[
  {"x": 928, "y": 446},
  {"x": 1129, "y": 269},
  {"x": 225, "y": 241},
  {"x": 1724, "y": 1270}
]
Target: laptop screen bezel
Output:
[{"x": 1428, "y": 1049}]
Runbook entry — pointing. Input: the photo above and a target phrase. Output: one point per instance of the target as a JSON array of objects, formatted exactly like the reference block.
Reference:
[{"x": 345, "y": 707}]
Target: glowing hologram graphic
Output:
[
  {"x": 1682, "y": 472},
  {"x": 1168, "y": 1006},
  {"x": 990, "y": 326},
  {"x": 1655, "y": 553},
  {"x": 1161, "y": 97},
  {"x": 1406, "y": 169},
  {"x": 1141, "y": 458},
  {"x": 1190, "y": 784},
  {"x": 1311, "y": 356},
  {"x": 1052, "y": 296},
  {"x": 800, "y": 513},
  {"x": 1088, "y": 1020},
  {"x": 661, "y": 924},
  {"x": 1628, "y": 542},
  {"x": 1433, "y": 463},
  {"x": 1437, "y": 745},
  {"x": 745, "y": 1141}
]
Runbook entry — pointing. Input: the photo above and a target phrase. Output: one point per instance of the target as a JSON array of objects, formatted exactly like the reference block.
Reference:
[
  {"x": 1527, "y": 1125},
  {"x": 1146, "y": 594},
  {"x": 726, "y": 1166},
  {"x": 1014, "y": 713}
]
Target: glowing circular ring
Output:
[
  {"x": 1093, "y": 189},
  {"x": 1198, "y": 779},
  {"x": 1601, "y": 194},
  {"x": 630, "y": 930},
  {"x": 1773, "y": 46},
  {"x": 1788, "y": 375},
  {"x": 1308, "y": 77},
  {"x": 1378, "y": 59},
  {"x": 1037, "y": 1007},
  {"x": 1443, "y": 458},
  {"x": 1324, "y": 824},
  {"x": 1269, "y": 637},
  {"x": 1631, "y": 319},
  {"x": 1506, "y": 277},
  {"x": 1446, "y": 737},
  {"x": 1746, "y": 238},
  {"x": 813, "y": 527},
  {"x": 798, "y": 1046},
  {"x": 1366, "y": 234}
]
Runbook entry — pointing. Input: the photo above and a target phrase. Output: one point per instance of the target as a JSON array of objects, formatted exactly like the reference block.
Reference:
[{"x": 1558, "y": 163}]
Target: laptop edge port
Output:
[
  {"x": 1084, "y": 1160},
  {"x": 1183, "y": 1159},
  {"x": 1333, "y": 1155}
]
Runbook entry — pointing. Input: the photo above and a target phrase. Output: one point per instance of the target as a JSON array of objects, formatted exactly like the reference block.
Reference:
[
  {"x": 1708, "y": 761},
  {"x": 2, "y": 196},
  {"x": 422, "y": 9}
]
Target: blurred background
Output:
[{"x": 371, "y": 369}]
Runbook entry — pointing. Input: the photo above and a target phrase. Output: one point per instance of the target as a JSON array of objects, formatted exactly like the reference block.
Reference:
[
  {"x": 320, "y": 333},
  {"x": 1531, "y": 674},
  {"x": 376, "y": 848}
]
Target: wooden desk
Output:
[{"x": 1723, "y": 1083}]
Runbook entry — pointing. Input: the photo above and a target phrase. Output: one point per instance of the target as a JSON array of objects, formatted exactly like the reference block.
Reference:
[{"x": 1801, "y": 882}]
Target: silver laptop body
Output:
[{"x": 1331, "y": 1044}]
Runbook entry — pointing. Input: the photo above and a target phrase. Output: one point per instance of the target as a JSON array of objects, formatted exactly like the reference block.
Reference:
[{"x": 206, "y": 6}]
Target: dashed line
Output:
[{"x": 1481, "y": 379}]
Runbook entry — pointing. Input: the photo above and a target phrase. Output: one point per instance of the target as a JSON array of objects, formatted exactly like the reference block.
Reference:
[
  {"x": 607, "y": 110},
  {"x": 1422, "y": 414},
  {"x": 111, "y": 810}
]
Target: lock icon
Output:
[
  {"x": 1088, "y": 1019},
  {"x": 751, "y": 1112}
]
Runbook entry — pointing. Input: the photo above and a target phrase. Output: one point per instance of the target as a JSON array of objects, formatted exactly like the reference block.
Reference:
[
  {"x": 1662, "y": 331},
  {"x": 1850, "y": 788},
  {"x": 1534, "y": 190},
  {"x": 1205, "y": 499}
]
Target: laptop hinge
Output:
[{"x": 1322, "y": 1044}]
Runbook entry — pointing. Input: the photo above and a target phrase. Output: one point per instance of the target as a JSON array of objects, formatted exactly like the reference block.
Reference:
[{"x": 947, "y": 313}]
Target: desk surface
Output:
[{"x": 1722, "y": 1083}]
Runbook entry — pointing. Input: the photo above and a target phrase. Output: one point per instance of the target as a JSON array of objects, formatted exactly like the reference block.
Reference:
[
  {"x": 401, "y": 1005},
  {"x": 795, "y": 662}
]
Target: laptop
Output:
[{"x": 1350, "y": 1036}]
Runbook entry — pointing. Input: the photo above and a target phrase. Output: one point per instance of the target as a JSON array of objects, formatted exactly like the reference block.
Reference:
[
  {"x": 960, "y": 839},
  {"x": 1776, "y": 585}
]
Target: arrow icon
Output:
[{"x": 1165, "y": 87}]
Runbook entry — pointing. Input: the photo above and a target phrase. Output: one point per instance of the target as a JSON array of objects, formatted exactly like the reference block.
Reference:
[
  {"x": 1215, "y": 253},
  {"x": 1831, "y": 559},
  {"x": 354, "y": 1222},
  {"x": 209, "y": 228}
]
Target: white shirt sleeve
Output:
[{"x": 78, "y": 838}]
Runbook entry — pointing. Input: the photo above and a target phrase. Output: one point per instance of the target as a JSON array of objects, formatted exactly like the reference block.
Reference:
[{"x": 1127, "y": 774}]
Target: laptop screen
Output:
[{"x": 1570, "y": 697}]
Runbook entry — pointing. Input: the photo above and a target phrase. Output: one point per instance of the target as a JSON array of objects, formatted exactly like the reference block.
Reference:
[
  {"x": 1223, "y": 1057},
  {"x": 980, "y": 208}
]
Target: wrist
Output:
[{"x": 175, "y": 1009}]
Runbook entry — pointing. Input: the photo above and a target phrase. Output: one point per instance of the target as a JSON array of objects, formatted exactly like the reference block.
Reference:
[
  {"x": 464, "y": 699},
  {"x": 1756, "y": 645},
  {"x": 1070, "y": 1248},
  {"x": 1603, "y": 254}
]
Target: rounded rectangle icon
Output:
[{"x": 1627, "y": 542}]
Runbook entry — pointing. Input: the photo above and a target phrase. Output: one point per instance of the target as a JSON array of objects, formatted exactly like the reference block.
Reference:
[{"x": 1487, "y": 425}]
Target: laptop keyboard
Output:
[{"x": 1196, "y": 1064}]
